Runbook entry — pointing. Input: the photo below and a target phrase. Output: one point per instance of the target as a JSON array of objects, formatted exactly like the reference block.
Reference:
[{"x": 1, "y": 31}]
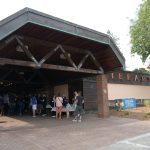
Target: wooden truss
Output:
[{"x": 41, "y": 64}]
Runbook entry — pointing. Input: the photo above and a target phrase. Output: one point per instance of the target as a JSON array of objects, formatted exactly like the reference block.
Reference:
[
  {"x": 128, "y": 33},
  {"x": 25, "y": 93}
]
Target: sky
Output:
[{"x": 100, "y": 15}]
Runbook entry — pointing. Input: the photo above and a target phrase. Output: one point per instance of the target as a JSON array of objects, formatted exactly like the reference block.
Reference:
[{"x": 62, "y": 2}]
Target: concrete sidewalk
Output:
[
  {"x": 45, "y": 133},
  {"x": 141, "y": 142}
]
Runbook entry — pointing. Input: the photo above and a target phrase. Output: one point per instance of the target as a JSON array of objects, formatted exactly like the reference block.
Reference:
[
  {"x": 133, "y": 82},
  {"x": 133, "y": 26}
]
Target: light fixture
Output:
[
  {"x": 63, "y": 57},
  {"x": 21, "y": 73},
  {"x": 19, "y": 49}
]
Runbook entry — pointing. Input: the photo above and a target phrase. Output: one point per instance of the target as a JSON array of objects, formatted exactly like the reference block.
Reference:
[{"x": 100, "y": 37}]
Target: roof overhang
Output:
[{"x": 63, "y": 33}]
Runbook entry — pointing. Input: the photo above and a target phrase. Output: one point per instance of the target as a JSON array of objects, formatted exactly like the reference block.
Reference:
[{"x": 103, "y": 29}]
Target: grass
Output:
[
  {"x": 148, "y": 114},
  {"x": 126, "y": 113}
]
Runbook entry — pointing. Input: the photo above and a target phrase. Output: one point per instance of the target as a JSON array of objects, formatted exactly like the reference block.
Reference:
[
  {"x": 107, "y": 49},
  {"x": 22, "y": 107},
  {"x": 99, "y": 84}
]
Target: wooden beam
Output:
[
  {"x": 46, "y": 66},
  {"x": 63, "y": 47},
  {"x": 9, "y": 40},
  {"x": 83, "y": 60},
  {"x": 96, "y": 62},
  {"x": 28, "y": 53},
  {"x": 68, "y": 48},
  {"x": 68, "y": 57},
  {"x": 48, "y": 55},
  {"x": 52, "y": 44}
]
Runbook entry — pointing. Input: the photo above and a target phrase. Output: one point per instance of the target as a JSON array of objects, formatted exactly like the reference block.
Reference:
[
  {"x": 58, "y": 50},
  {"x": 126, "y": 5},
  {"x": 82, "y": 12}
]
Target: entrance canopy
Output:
[{"x": 31, "y": 41}]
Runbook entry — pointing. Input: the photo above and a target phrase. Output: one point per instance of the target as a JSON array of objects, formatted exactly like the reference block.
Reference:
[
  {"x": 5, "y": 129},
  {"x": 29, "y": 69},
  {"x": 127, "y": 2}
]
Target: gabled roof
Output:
[{"x": 25, "y": 16}]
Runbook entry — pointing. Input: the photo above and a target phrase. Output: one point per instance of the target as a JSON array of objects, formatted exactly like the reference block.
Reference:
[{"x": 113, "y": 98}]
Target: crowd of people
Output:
[
  {"x": 13, "y": 104},
  {"x": 78, "y": 103}
]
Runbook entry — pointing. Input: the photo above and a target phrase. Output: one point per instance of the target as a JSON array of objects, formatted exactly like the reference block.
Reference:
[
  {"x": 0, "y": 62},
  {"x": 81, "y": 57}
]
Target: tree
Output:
[
  {"x": 114, "y": 37},
  {"x": 141, "y": 70},
  {"x": 140, "y": 31}
]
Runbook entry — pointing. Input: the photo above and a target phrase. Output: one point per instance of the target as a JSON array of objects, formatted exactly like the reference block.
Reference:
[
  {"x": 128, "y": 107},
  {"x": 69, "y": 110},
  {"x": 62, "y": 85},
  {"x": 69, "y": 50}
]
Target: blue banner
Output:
[{"x": 129, "y": 103}]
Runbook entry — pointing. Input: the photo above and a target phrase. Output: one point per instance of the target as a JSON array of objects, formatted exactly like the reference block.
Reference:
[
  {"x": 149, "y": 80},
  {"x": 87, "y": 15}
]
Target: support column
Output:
[{"x": 102, "y": 96}]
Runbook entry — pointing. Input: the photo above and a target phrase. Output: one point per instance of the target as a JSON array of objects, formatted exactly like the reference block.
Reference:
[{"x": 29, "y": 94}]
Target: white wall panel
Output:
[{"x": 119, "y": 91}]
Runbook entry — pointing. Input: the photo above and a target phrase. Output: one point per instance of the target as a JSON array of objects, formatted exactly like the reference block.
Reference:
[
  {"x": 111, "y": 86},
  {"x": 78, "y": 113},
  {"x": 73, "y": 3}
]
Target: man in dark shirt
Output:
[{"x": 79, "y": 102}]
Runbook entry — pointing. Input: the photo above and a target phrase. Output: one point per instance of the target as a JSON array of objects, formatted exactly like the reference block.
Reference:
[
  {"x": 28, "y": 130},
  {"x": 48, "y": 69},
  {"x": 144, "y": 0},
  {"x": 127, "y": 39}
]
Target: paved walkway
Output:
[
  {"x": 141, "y": 142},
  {"x": 44, "y": 133}
]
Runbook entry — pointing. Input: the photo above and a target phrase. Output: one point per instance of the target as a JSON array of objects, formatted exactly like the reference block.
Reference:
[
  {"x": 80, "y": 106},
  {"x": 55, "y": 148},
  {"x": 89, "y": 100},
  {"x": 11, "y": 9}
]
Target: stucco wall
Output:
[{"x": 119, "y": 91}]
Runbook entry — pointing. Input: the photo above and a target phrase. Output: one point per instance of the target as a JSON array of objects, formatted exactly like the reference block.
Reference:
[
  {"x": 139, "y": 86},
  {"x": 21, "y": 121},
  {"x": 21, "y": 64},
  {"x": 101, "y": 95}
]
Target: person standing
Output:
[
  {"x": 58, "y": 101},
  {"x": 21, "y": 105},
  {"x": 75, "y": 100},
  {"x": 34, "y": 105},
  {"x": 78, "y": 110},
  {"x": 44, "y": 102},
  {"x": 6, "y": 104},
  {"x": 1, "y": 105},
  {"x": 66, "y": 105}
]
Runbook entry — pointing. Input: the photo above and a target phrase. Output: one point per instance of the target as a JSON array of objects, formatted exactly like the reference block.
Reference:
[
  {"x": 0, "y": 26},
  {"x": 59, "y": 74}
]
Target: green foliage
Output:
[
  {"x": 141, "y": 70},
  {"x": 145, "y": 116},
  {"x": 148, "y": 114},
  {"x": 126, "y": 113},
  {"x": 140, "y": 31}
]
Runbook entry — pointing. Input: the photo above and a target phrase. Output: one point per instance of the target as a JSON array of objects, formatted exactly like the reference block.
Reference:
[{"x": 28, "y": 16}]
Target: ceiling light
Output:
[
  {"x": 19, "y": 49},
  {"x": 63, "y": 57}
]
